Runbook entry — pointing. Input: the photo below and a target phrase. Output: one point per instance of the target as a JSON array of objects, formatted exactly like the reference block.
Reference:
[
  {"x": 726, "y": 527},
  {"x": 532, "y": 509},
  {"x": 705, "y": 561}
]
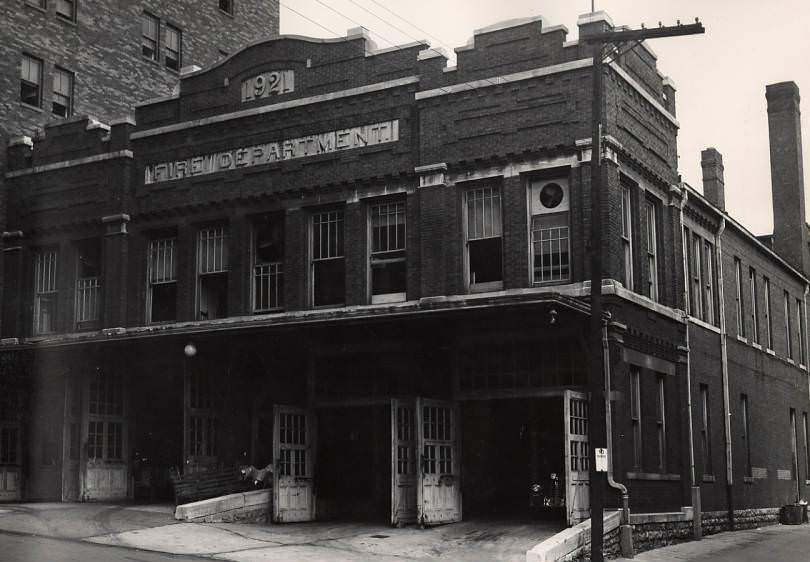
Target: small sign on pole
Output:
[{"x": 601, "y": 460}]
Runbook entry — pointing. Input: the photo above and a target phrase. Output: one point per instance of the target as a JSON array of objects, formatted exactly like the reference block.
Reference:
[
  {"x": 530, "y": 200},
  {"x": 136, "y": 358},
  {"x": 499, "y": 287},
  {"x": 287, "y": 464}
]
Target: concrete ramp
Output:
[
  {"x": 570, "y": 543},
  {"x": 253, "y": 507}
]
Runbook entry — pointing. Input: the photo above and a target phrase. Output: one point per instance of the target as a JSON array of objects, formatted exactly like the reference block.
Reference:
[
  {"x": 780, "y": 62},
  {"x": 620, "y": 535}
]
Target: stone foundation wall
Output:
[{"x": 717, "y": 521}]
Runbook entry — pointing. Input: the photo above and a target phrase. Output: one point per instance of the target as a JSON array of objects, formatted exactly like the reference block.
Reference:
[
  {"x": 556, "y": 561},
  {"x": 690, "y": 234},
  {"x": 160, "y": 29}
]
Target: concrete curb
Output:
[{"x": 570, "y": 541}]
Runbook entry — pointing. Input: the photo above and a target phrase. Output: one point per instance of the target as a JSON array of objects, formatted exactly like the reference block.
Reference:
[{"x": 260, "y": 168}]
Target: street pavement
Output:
[
  {"x": 778, "y": 543},
  {"x": 152, "y": 528}
]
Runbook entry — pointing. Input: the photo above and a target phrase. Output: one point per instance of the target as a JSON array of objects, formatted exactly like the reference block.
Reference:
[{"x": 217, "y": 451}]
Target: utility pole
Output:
[{"x": 597, "y": 437}]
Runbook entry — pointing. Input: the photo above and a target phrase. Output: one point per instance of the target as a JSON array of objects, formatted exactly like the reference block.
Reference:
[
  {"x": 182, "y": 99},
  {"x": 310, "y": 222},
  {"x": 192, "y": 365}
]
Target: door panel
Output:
[
  {"x": 577, "y": 495},
  {"x": 439, "y": 485},
  {"x": 106, "y": 473},
  {"x": 293, "y": 451},
  {"x": 72, "y": 439},
  {"x": 403, "y": 462}
]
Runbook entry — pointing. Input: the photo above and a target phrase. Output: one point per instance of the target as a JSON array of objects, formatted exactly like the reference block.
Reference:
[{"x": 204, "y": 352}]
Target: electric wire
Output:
[{"x": 310, "y": 20}]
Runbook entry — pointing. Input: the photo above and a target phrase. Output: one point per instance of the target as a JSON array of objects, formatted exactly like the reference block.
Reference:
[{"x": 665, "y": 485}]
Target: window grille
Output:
[
  {"x": 484, "y": 226},
  {"x": 328, "y": 267},
  {"x": 551, "y": 248},
  {"x": 268, "y": 265},
  {"x": 162, "y": 276},
  {"x": 213, "y": 250},
  {"x": 388, "y": 267},
  {"x": 45, "y": 297},
  {"x": 88, "y": 293}
]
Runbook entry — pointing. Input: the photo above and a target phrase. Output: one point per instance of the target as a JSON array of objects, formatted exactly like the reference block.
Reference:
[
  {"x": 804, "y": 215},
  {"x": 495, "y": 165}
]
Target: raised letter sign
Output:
[{"x": 268, "y": 84}]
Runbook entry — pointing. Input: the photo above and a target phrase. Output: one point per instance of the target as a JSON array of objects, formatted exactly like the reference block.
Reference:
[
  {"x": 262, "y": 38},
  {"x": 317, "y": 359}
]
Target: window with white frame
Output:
[
  {"x": 328, "y": 260},
  {"x": 738, "y": 298},
  {"x": 88, "y": 282},
  {"x": 387, "y": 259},
  {"x": 801, "y": 334},
  {"x": 268, "y": 264},
  {"x": 788, "y": 328},
  {"x": 635, "y": 415},
  {"x": 708, "y": 282},
  {"x": 150, "y": 33},
  {"x": 766, "y": 287},
  {"x": 551, "y": 243},
  {"x": 661, "y": 423},
  {"x": 66, "y": 9},
  {"x": 62, "y": 103},
  {"x": 752, "y": 281},
  {"x": 31, "y": 81},
  {"x": 162, "y": 279},
  {"x": 627, "y": 235},
  {"x": 652, "y": 249},
  {"x": 212, "y": 273},
  {"x": 45, "y": 291},
  {"x": 483, "y": 233},
  {"x": 173, "y": 48},
  {"x": 745, "y": 415}
]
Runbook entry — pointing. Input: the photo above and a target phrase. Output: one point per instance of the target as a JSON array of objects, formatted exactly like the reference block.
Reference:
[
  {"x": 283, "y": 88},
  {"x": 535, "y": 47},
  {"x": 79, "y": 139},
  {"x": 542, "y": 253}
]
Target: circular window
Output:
[{"x": 551, "y": 195}]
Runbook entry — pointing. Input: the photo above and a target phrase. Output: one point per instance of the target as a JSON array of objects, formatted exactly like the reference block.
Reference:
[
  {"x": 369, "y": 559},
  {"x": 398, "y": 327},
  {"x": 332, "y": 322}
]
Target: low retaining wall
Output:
[
  {"x": 572, "y": 545},
  {"x": 252, "y": 507}
]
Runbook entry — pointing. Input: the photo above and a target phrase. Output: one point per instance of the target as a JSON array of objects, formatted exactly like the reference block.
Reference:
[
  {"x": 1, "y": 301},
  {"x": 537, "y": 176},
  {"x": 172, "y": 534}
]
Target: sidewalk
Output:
[
  {"x": 152, "y": 528},
  {"x": 782, "y": 543}
]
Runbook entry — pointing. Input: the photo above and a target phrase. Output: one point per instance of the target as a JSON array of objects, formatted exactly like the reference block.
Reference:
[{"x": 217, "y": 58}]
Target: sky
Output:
[{"x": 720, "y": 76}]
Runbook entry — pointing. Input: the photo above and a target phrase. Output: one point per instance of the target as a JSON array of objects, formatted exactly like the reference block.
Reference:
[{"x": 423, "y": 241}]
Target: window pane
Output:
[
  {"x": 329, "y": 278},
  {"x": 65, "y": 8},
  {"x": 485, "y": 260},
  {"x": 30, "y": 80},
  {"x": 550, "y": 245},
  {"x": 388, "y": 276},
  {"x": 149, "y": 39},
  {"x": 173, "y": 46}
]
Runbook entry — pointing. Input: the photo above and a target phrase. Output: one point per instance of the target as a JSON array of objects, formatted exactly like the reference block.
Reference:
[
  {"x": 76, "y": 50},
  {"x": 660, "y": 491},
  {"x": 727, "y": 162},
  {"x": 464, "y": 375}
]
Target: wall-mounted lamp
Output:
[{"x": 190, "y": 350}]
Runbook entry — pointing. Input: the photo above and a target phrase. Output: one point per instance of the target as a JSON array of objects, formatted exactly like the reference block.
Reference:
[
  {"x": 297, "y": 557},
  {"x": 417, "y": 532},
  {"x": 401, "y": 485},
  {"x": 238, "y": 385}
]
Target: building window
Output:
[
  {"x": 551, "y": 246},
  {"x": 328, "y": 261},
  {"x": 150, "y": 31},
  {"x": 738, "y": 296},
  {"x": 88, "y": 283},
  {"x": 661, "y": 424},
  {"x": 41, "y": 4},
  {"x": 627, "y": 236},
  {"x": 794, "y": 446},
  {"x": 768, "y": 319},
  {"x": 174, "y": 48},
  {"x": 62, "y": 105},
  {"x": 686, "y": 275},
  {"x": 806, "y": 444},
  {"x": 752, "y": 282},
  {"x": 746, "y": 432},
  {"x": 652, "y": 250},
  {"x": 202, "y": 422},
  {"x": 483, "y": 232},
  {"x": 708, "y": 282},
  {"x": 697, "y": 277},
  {"x": 705, "y": 430},
  {"x": 387, "y": 260},
  {"x": 800, "y": 324},
  {"x": 162, "y": 275},
  {"x": 212, "y": 273},
  {"x": 66, "y": 9},
  {"x": 9, "y": 444},
  {"x": 268, "y": 264},
  {"x": 226, "y": 6},
  {"x": 788, "y": 328},
  {"x": 45, "y": 292},
  {"x": 31, "y": 81},
  {"x": 635, "y": 414},
  {"x": 106, "y": 410}
]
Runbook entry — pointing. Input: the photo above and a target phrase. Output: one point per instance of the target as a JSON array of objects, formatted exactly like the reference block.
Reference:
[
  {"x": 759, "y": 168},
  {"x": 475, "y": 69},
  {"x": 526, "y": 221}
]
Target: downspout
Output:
[
  {"x": 608, "y": 426},
  {"x": 724, "y": 367},
  {"x": 697, "y": 525}
]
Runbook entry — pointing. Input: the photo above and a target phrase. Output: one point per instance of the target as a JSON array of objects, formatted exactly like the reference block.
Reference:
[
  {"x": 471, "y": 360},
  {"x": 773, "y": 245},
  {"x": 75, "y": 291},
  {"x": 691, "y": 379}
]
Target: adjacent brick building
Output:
[{"x": 348, "y": 260}]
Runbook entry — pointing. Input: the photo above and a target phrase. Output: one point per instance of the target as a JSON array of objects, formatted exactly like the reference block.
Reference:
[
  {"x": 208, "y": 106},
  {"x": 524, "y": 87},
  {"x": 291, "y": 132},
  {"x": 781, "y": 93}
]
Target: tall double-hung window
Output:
[
  {"x": 212, "y": 273},
  {"x": 31, "y": 81},
  {"x": 150, "y": 36},
  {"x": 627, "y": 236},
  {"x": 328, "y": 259},
  {"x": 788, "y": 328},
  {"x": 45, "y": 291},
  {"x": 650, "y": 210},
  {"x": 483, "y": 238},
  {"x": 801, "y": 334},
  {"x": 738, "y": 298},
  {"x": 551, "y": 240},
  {"x": 268, "y": 264},
  {"x": 766, "y": 287},
  {"x": 387, "y": 259},
  {"x": 173, "y": 48},
  {"x": 696, "y": 267},
  {"x": 708, "y": 282},
  {"x": 162, "y": 280},
  {"x": 752, "y": 281},
  {"x": 635, "y": 415},
  {"x": 62, "y": 104},
  {"x": 88, "y": 283}
]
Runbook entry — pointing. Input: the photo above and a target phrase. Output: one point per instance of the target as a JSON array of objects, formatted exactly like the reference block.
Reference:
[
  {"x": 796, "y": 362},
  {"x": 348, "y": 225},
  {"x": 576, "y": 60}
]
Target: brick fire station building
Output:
[{"x": 369, "y": 269}]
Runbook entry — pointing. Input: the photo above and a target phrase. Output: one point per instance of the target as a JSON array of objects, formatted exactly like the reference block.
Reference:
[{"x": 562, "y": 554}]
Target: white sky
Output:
[{"x": 720, "y": 76}]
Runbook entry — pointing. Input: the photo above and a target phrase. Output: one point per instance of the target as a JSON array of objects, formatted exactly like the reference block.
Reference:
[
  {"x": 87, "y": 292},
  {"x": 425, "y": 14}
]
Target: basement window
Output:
[
  {"x": 387, "y": 259},
  {"x": 328, "y": 261},
  {"x": 483, "y": 236},
  {"x": 212, "y": 268}
]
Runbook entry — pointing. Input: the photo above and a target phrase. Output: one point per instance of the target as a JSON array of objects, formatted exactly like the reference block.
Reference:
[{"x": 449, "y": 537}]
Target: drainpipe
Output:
[
  {"x": 697, "y": 526},
  {"x": 626, "y": 530},
  {"x": 724, "y": 366}
]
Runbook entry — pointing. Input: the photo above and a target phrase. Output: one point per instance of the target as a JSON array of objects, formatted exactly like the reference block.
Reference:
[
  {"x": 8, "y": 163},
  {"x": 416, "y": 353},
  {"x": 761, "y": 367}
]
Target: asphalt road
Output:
[{"x": 22, "y": 548}]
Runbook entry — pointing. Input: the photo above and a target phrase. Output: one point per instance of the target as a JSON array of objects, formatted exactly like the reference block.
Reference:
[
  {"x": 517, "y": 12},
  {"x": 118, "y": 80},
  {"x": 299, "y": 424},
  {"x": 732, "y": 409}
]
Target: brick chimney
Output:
[
  {"x": 714, "y": 186},
  {"x": 787, "y": 180}
]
